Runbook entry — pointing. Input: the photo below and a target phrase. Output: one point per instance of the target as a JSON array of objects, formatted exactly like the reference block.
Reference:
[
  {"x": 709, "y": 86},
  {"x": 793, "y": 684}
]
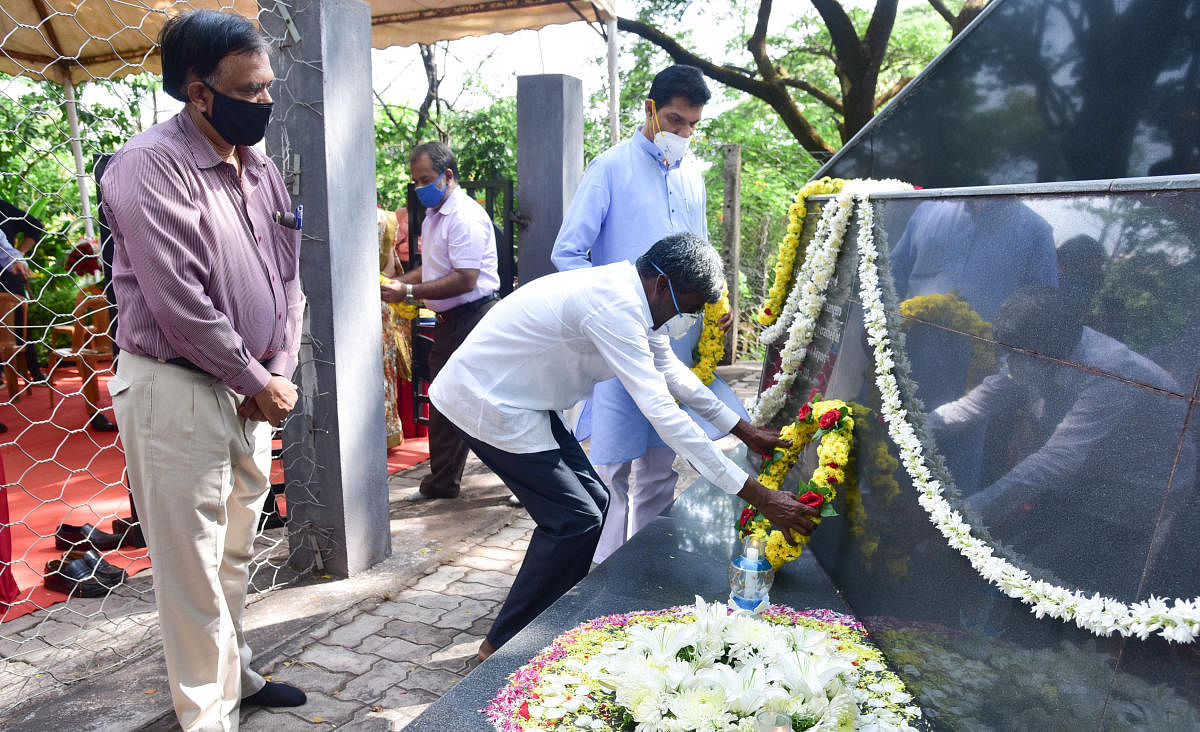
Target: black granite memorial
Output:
[
  {"x": 1045, "y": 90},
  {"x": 1059, "y": 415}
]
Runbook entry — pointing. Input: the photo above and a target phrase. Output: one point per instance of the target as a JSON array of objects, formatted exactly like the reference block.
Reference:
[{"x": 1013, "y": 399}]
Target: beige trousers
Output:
[{"x": 199, "y": 475}]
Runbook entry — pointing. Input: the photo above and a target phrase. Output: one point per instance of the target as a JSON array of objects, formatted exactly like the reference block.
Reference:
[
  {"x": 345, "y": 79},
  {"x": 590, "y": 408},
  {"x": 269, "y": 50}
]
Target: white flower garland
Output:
[
  {"x": 1099, "y": 615},
  {"x": 1178, "y": 622},
  {"x": 807, "y": 297},
  {"x": 804, "y": 304}
]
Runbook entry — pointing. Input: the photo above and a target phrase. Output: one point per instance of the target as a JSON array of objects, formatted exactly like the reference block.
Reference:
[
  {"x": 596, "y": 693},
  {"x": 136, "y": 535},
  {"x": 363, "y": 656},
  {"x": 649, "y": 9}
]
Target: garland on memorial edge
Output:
[
  {"x": 829, "y": 423},
  {"x": 799, "y": 317},
  {"x": 1178, "y": 622},
  {"x": 952, "y": 311},
  {"x": 711, "y": 347},
  {"x": 785, "y": 258},
  {"x": 702, "y": 667}
]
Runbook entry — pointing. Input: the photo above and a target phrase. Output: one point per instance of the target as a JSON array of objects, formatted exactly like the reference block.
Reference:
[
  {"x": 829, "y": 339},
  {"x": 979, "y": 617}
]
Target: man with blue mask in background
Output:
[
  {"x": 634, "y": 194},
  {"x": 458, "y": 279}
]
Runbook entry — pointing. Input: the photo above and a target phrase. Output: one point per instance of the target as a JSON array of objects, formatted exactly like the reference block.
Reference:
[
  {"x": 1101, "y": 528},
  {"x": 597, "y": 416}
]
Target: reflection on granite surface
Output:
[
  {"x": 1046, "y": 90},
  {"x": 1063, "y": 434}
]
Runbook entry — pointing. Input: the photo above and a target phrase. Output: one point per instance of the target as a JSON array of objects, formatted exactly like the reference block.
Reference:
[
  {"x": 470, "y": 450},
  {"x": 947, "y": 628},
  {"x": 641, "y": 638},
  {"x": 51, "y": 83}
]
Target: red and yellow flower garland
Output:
[{"x": 831, "y": 423}]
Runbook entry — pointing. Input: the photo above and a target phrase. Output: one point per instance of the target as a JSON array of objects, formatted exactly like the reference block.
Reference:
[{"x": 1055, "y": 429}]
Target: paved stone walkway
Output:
[
  {"x": 372, "y": 651},
  {"x": 379, "y": 665}
]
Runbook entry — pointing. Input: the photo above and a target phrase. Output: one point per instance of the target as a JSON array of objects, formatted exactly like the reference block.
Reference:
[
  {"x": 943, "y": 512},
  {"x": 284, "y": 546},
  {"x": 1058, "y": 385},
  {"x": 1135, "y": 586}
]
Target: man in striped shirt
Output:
[{"x": 208, "y": 290}]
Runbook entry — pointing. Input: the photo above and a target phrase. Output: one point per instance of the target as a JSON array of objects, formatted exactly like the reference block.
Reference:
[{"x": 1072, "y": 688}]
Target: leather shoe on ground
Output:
[
  {"x": 82, "y": 537},
  {"x": 103, "y": 571},
  {"x": 77, "y": 579},
  {"x": 276, "y": 694},
  {"x": 100, "y": 423}
]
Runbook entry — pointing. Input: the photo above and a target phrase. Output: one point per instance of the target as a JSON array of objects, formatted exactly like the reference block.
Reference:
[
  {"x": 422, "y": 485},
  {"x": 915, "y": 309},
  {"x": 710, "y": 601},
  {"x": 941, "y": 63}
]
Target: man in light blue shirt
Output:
[{"x": 634, "y": 194}]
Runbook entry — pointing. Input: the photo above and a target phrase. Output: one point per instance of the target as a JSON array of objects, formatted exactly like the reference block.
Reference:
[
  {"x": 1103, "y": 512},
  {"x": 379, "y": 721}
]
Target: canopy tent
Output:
[{"x": 69, "y": 41}]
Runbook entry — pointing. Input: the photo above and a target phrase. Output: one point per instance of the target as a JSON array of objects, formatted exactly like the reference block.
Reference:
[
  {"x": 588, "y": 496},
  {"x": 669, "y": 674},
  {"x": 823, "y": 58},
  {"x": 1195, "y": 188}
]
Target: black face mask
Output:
[{"x": 237, "y": 121}]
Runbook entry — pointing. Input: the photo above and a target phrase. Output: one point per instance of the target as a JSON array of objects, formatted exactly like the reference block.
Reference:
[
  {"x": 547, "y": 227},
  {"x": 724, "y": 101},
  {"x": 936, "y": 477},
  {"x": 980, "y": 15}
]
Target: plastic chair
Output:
[
  {"x": 90, "y": 346},
  {"x": 10, "y": 345}
]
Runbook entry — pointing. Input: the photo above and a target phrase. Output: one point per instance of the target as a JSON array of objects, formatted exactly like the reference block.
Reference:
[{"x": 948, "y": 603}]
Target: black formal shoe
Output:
[
  {"x": 103, "y": 571},
  {"x": 100, "y": 423},
  {"x": 276, "y": 694},
  {"x": 130, "y": 532},
  {"x": 77, "y": 578},
  {"x": 83, "y": 537}
]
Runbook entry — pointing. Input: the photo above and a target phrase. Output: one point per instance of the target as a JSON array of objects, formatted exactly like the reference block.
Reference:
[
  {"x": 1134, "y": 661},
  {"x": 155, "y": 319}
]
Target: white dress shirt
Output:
[{"x": 544, "y": 347}]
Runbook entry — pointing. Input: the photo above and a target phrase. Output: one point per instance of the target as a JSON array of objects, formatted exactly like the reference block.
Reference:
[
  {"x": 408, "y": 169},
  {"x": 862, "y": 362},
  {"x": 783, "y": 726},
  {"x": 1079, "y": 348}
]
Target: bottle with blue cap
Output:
[{"x": 750, "y": 577}]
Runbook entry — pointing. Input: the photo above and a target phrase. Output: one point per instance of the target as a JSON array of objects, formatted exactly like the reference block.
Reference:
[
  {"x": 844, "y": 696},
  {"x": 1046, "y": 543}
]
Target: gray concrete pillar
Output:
[
  {"x": 549, "y": 163},
  {"x": 322, "y": 138}
]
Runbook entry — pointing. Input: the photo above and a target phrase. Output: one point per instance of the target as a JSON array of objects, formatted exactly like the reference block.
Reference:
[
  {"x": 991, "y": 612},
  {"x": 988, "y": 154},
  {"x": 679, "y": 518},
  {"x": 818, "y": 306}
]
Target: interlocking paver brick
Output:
[
  {"x": 429, "y": 599},
  {"x": 477, "y": 591},
  {"x": 398, "y": 610},
  {"x": 489, "y": 578},
  {"x": 401, "y": 706},
  {"x": 457, "y": 657},
  {"x": 439, "y": 580},
  {"x": 465, "y": 615},
  {"x": 417, "y": 632},
  {"x": 399, "y": 649},
  {"x": 372, "y": 685},
  {"x": 483, "y": 563},
  {"x": 325, "y": 709},
  {"x": 358, "y": 629},
  {"x": 435, "y": 681},
  {"x": 337, "y": 658},
  {"x": 308, "y": 676}
]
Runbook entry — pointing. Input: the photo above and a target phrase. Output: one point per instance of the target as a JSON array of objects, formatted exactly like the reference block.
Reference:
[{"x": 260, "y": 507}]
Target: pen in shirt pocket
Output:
[{"x": 291, "y": 219}]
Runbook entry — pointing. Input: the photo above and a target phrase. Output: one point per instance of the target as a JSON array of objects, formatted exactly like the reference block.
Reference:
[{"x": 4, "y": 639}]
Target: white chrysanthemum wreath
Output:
[{"x": 1177, "y": 622}]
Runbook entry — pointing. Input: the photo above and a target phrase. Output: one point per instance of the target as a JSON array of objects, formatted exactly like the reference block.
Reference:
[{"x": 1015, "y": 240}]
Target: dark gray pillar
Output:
[
  {"x": 731, "y": 242},
  {"x": 322, "y": 138},
  {"x": 549, "y": 163}
]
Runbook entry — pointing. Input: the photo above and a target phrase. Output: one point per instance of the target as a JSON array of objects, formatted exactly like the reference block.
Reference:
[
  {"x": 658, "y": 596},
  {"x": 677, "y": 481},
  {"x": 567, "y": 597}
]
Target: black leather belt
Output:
[
  {"x": 467, "y": 307},
  {"x": 181, "y": 361}
]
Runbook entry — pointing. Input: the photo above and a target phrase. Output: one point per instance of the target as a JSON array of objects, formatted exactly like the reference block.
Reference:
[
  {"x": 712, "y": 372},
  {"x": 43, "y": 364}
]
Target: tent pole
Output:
[
  {"x": 77, "y": 151},
  {"x": 614, "y": 92}
]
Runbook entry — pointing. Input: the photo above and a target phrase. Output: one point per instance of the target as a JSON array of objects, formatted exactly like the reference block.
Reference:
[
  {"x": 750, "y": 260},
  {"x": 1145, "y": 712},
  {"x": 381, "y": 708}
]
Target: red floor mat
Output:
[{"x": 58, "y": 471}]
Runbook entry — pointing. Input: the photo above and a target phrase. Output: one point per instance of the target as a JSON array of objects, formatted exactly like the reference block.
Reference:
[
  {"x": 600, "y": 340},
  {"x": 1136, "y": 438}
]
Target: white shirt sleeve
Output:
[
  {"x": 622, "y": 343},
  {"x": 685, "y": 386}
]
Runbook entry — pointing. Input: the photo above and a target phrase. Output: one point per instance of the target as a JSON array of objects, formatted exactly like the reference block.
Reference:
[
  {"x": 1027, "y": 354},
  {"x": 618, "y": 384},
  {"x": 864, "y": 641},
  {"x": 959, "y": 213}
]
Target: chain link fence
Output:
[{"x": 75, "y": 84}]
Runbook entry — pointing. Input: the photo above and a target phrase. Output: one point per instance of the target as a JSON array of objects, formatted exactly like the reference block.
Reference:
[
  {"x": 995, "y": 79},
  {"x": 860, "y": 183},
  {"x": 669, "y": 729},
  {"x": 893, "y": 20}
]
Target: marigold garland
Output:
[
  {"x": 711, "y": 347},
  {"x": 831, "y": 423},
  {"x": 952, "y": 311},
  {"x": 789, "y": 248}
]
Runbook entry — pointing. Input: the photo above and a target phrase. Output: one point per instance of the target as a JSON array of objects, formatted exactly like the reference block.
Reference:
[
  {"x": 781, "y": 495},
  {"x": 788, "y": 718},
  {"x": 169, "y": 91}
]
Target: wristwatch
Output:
[{"x": 408, "y": 293}]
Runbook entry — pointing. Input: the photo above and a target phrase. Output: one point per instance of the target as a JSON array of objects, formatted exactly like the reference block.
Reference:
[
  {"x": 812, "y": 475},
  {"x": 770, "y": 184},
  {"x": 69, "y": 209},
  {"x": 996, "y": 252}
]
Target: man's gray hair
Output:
[
  {"x": 440, "y": 155},
  {"x": 689, "y": 261}
]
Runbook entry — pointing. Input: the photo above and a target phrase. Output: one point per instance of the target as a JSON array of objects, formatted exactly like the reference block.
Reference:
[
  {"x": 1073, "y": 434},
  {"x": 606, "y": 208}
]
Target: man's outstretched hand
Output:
[
  {"x": 781, "y": 509},
  {"x": 759, "y": 440}
]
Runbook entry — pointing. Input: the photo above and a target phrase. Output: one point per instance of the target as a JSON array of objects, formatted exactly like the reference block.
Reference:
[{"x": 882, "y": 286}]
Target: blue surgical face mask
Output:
[{"x": 431, "y": 195}]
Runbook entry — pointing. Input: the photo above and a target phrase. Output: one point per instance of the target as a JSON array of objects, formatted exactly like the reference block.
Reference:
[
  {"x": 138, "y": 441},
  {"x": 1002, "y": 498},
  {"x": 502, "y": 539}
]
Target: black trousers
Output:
[
  {"x": 447, "y": 451},
  {"x": 568, "y": 502}
]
